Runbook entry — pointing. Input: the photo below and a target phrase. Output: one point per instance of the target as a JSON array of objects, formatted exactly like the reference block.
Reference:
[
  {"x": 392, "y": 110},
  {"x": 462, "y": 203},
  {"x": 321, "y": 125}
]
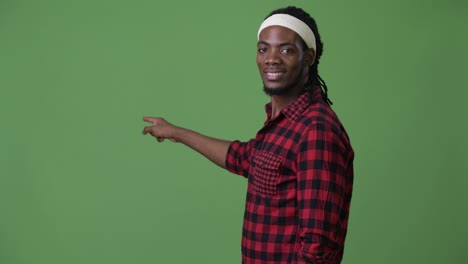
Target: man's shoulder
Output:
[
  {"x": 319, "y": 116},
  {"x": 320, "y": 113}
]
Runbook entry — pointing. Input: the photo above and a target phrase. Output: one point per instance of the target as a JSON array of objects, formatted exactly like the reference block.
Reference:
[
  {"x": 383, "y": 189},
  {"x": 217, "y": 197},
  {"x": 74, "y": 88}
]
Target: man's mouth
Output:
[{"x": 274, "y": 75}]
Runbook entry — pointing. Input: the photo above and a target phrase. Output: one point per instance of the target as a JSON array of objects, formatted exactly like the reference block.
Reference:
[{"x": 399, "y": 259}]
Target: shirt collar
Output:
[{"x": 294, "y": 109}]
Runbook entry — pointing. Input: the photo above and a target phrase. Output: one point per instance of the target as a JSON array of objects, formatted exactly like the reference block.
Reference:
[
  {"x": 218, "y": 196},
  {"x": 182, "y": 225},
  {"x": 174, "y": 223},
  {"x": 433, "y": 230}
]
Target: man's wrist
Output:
[{"x": 177, "y": 134}]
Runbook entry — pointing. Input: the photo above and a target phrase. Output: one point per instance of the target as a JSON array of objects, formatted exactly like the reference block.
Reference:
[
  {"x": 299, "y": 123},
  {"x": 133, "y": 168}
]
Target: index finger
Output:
[{"x": 152, "y": 120}]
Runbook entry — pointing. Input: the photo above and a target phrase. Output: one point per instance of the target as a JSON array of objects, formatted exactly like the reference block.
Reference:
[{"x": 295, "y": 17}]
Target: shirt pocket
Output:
[{"x": 266, "y": 172}]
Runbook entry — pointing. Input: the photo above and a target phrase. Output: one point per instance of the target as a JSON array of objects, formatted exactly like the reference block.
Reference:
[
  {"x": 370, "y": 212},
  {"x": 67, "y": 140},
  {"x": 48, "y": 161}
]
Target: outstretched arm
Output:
[{"x": 212, "y": 148}]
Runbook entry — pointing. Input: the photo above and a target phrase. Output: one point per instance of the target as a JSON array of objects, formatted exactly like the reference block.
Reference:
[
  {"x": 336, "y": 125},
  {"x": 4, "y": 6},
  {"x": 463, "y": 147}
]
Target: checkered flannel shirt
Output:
[{"x": 300, "y": 176}]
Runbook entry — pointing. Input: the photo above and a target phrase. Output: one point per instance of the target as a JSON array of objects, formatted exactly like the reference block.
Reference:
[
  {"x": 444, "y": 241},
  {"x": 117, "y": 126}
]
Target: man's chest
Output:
[{"x": 273, "y": 161}]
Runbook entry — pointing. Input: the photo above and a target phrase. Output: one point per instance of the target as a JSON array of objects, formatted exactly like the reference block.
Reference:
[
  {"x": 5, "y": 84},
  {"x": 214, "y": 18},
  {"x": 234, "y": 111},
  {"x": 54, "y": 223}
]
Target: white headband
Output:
[{"x": 292, "y": 23}]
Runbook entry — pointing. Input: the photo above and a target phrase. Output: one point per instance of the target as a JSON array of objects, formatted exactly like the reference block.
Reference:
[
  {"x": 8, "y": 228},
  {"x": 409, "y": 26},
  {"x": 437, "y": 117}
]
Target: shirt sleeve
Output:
[
  {"x": 323, "y": 195},
  {"x": 238, "y": 157}
]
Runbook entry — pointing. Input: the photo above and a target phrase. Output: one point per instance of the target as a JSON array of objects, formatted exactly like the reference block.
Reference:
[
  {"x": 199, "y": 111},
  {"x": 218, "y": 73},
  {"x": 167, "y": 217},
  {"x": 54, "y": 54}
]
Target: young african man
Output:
[{"x": 300, "y": 164}]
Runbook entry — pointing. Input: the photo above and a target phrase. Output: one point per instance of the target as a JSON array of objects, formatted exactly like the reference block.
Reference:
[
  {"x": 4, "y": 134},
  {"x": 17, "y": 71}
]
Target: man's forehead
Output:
[
  {"x": 299, "y": 28},
  {"x": 279, "y": 33}
]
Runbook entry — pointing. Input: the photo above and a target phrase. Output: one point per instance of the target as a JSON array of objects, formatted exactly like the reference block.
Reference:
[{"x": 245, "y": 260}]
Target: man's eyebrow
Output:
[{"x": 281, "y": 45}]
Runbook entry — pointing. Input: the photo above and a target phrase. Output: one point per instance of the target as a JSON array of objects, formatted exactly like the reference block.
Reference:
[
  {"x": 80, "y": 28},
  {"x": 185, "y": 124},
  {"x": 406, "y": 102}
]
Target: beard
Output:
[
  {"x": 283, "y": 90},
  {"x": 277, "y": 91}
]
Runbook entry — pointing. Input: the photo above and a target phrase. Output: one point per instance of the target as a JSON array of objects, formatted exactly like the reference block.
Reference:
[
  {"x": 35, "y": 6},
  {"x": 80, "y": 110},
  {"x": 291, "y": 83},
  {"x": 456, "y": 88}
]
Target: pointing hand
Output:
[{"x": 160, "y": 129}]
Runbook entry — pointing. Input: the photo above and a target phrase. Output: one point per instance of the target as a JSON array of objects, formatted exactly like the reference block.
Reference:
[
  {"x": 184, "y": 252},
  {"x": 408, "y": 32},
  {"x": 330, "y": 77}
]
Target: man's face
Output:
[{"x": 282, "y": 60}]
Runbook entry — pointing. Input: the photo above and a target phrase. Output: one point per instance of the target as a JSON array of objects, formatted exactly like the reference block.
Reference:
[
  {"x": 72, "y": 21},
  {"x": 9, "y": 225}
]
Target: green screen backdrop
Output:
[{"x": 79, "y": 184}]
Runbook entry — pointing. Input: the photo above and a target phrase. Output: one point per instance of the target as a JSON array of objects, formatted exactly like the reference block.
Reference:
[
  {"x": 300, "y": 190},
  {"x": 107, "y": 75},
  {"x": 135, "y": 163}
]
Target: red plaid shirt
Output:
[{"x": 300, "y": 176}]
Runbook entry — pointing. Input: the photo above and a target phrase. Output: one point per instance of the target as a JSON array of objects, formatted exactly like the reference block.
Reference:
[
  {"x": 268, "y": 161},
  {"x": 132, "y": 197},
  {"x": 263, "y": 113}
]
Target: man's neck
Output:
[{"x": 279, "y": 102}]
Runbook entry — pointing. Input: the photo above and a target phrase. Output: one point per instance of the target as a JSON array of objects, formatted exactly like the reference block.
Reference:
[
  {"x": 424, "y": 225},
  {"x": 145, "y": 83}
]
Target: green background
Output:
[{"x": 80, "y": 184}]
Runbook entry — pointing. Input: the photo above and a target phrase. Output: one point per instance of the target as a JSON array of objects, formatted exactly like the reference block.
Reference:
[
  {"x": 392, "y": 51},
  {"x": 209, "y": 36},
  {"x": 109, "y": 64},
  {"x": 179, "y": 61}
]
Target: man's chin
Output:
[{"x": 275, "y": 91}]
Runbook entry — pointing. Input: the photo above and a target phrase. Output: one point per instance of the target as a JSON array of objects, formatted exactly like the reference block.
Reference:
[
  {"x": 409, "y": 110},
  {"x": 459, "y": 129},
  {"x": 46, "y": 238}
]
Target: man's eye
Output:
[
  {"x": 287, "y": 51},
  {"x": 262, "y": 50}
]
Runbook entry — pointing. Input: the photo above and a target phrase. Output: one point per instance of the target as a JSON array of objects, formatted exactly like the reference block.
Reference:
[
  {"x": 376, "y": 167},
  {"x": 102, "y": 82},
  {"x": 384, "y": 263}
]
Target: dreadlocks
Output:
[{"x": 314, "y": 77}]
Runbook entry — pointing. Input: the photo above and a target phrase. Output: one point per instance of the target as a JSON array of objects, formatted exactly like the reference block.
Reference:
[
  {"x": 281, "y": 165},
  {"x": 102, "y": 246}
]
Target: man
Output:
[{"x": 300, "y": 164}]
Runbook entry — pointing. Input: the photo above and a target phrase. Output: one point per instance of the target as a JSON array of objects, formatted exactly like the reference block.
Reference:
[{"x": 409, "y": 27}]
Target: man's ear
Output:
[{"x": 309, "y": 57}]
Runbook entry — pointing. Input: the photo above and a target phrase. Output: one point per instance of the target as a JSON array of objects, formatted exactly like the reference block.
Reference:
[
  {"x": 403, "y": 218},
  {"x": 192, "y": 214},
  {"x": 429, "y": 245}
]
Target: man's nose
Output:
[{"x": 272, "y": 58}]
